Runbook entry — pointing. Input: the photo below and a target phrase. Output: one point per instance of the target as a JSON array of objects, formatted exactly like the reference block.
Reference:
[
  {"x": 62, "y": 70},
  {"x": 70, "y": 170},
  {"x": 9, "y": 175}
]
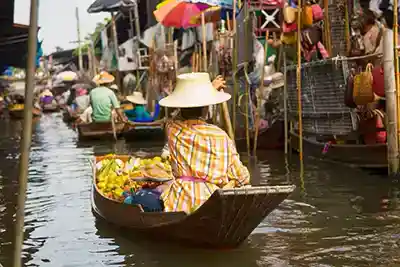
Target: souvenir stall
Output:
[{"x": 335, "y": 90}]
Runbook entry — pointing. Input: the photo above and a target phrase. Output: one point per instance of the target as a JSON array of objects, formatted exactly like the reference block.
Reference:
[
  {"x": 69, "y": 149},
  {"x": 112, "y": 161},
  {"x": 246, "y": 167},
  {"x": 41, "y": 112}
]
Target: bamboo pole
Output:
[
  {"x": 298, "y": 81},
  {"x": 390, "y": 94},
  {"x": 116, "y": 51},
  {"x": 285, "y": 104},
  {"x": 78, "y": 30},
  {"x": 203, "y": 31},
  {"x": 396, "y": 63},
  {"x": 327, "y": 26},
  {"x": 27, "y": 133},
  {"x": 257, "y": 122},
  {"x": 247, "y": 87},
  {"x": 234, "y": 67}
]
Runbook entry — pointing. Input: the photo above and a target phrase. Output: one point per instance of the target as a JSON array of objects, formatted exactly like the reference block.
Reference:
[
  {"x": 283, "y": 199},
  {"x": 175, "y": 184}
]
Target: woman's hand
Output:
[{"x": 219, "y": 83}]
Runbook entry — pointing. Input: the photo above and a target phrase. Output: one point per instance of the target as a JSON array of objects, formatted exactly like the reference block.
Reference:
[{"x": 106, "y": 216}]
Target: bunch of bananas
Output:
[{"x": 114, "y": 176}]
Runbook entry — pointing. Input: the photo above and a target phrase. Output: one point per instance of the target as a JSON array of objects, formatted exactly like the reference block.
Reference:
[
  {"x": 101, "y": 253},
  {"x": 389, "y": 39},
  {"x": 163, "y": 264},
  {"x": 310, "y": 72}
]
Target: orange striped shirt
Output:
[{"x": 202, "y": 151}]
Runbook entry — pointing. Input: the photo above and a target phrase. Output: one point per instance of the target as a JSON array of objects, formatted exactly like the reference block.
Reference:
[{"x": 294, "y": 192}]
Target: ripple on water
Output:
[{"x": 333, "y": 219}]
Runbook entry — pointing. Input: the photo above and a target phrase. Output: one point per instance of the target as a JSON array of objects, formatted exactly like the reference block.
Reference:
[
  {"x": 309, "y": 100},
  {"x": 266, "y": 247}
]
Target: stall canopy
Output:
[
  {"x": 14, "y": 45},
  {"x": 6, "y": 13},
  {"x": 108, "y": 5}
]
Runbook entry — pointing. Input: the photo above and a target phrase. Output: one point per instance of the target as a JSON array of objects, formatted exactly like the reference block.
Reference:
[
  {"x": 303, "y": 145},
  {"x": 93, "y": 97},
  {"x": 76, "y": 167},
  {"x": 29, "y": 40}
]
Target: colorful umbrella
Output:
[
  {"x": 178, "y": 14},
  {"x": 227, "y": 4}
]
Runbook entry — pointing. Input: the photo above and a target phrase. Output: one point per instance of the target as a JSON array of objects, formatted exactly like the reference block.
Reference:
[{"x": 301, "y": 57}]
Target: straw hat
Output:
[
  {"x": 103, "y": 77},
  {"x": 114, "y": 87},
  {"x": 274, "y": 81},
  {"x": 46, "y": 92},
  {"x": 194, "y": 90},
  {"x": 136, "y": 98}
]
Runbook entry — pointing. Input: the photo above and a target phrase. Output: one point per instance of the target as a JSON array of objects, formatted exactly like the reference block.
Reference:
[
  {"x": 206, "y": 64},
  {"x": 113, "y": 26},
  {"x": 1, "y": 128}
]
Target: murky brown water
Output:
[{"x": 336, "y": 217}]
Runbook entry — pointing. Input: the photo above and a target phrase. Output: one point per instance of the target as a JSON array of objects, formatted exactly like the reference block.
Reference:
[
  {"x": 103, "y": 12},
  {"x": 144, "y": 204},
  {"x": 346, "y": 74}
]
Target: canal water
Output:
[{"x": 338, "y": 216}]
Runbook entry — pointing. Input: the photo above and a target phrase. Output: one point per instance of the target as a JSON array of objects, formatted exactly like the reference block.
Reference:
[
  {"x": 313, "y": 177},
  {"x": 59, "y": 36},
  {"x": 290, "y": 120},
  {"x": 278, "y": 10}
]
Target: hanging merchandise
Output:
[
  {"x": 289, "y": 14},
  {"x": 349, "y": 91},
  {"x": 378, "y": 83},
  {"x": 289, "y": 27},
  {"x": 307, "y": 15},
  {"x": 363, "y": 92},
  {"x": 289, "y": 38},
  {"x": 317, "y": 12}
]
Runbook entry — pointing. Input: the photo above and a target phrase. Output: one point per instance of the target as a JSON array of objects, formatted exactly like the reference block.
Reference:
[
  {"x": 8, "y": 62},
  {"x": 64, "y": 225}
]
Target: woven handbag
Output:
[{"x": 363, "y": 92}]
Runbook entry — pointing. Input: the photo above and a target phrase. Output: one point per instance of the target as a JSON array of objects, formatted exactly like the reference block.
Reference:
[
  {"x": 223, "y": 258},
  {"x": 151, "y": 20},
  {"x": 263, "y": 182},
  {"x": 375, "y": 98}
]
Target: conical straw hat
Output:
[
  {"x": 136, "y": 98},
  {"x": 194, "y": 90},
  {"x": 103, "y": 77}
]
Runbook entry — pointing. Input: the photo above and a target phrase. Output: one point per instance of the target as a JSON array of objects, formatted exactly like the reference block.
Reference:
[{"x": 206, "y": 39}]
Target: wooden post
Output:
[
  {"x": 298, "y": 80},
  {"x": 390, "y": 94},
  {"x": 116, "y": 50},
  {"x": 78, "y": 29},
  {"x": 204, "y": 33},
  {"x": 234, "y": 68},
  {"x": 285, "y": 104},
  {"x": 396, "y": 63},
  {"x": 26, "y": 134}
]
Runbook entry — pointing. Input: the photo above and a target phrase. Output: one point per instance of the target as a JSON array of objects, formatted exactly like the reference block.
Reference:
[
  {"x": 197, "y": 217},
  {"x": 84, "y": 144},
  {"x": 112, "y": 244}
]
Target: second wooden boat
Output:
[
  {"x": 99, "y": 130},
  {"x": 17, "y": 111},
  {"x": 225, "y": 220},
  {"x": 364, "y": 156},
  {"x": 145, "y": 131},
  {"x": 50, "y": 108}
]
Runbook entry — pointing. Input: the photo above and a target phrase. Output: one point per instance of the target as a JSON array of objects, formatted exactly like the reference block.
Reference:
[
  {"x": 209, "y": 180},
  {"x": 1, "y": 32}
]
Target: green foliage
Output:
[{"x": 92, "y": 37}]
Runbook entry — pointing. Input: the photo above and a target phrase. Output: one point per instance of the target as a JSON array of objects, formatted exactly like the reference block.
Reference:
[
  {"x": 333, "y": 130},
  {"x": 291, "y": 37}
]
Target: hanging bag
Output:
[
  {"x": 317, "y": 12},
  {"x": 307, "y": 15},
  {"x": 289, "y": 14},
  {"x": 348, "y": 93},
  {"x": 363, "y": 91},
  {"x": 286, "y": 27},
  {"x": 378, "y": 83}
]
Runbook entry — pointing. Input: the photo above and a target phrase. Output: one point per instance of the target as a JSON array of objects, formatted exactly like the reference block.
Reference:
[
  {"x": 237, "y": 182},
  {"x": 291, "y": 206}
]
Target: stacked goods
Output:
[
  {"x": 117, "y": 179},
  {"x": 17, "y": 106}
]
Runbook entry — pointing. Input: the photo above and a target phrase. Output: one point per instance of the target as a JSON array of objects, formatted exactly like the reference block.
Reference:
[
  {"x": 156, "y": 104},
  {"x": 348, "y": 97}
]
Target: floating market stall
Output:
[{"x": 225, "y": 220}]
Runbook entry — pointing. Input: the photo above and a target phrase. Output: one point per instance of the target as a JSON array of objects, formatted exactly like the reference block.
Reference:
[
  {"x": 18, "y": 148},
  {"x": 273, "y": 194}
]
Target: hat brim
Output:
[
  {"x": 175, "y": 101},
  {"x": 136, "y": 100}
]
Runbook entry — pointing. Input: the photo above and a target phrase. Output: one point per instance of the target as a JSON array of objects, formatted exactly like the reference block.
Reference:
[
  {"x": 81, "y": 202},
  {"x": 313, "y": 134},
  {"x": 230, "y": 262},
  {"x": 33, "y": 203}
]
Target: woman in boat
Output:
[
  {"x": 139, "y": 113},
  {"x": 46, "y": 97},
  {"x": 202, "y": 156},
  {"x": 82, "y": 100}
]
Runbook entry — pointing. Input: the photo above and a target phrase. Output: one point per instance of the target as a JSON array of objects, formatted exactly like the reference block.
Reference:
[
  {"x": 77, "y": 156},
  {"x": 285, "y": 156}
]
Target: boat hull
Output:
[
  {"x": 99, "y": 130},
  {"x": 151, "y": 131},
  {"x": 225, "y": 220},
  {"x": 19, "y": 113},
  {"x": 364, "y": 156},
  {"x": 48, "y": 108}
]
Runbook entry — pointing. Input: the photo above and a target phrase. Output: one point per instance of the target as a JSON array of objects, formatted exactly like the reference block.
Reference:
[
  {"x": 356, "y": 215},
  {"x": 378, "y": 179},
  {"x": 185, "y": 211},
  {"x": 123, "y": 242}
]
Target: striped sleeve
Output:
[{"x": 237, "y": 171}]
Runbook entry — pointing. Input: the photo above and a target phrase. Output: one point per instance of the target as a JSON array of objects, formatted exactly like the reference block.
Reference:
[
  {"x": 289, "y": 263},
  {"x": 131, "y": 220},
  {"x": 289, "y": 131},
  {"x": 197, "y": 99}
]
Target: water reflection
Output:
[{"x": 338, "y": 216}]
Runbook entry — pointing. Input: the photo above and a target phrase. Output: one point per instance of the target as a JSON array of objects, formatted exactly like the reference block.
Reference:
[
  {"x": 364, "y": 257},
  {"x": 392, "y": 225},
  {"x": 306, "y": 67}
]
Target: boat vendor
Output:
[
  {"x": 202, "y": 156},
  {"x": 139, "y": 112},
  {"x": 46, "y": 97},
  {"x": 82, "y": 100},
  {"x": 103, "y": 101},
  {"x": 117, "y": 92}
]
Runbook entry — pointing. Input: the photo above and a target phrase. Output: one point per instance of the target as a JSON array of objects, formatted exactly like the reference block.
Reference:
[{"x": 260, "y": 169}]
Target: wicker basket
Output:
[{"x": 323, "y": 86}]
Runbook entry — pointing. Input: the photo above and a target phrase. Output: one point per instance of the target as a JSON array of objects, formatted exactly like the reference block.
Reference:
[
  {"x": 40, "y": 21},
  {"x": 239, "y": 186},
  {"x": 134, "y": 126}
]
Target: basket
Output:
[{"x": 323, "y": 89}]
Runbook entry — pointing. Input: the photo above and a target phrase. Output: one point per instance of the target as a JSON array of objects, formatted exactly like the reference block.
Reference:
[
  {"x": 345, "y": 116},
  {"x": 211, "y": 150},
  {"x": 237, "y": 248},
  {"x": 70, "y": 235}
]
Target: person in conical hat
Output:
[
  {"x": 138, "y": 113},
  {"x": 105, "y": 105},
  {"x": 202, "y": 155}
]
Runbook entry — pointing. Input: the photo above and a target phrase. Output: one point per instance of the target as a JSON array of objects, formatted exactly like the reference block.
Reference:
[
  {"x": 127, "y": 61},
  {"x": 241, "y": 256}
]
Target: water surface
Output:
[{"x": 338, "y": 216}]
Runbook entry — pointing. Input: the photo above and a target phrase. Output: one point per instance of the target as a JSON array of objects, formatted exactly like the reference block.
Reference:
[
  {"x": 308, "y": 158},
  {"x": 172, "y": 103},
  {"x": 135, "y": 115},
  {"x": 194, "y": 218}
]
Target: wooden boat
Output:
[
  {"x": 99, "y": 130},
  {"x": 17, "y": 112},
  {"x": 67, "y": 116},
  {"x": 363, "y": 156},
  {"x": 50, "y": 108},
  {"x": 147, "y": 131},
  {"x": 272, "y": 138},
  {"x": 225, "y": 220}
]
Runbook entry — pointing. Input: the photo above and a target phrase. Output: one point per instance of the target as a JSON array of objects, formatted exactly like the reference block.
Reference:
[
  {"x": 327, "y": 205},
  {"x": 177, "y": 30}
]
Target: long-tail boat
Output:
[
  {"x": 99, "y": 130},
  {"x": 225, "y": 220}
]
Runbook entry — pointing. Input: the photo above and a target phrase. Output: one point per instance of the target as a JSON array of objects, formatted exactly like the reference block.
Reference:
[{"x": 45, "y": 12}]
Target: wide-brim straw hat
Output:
[
  {"x": 114, "y": 87},
  {"x": 136, "y": 98},
  {"x": 274, "y": 81},
  {"x": 194, "y": 90},
  {"x": 103, "y": 77}
]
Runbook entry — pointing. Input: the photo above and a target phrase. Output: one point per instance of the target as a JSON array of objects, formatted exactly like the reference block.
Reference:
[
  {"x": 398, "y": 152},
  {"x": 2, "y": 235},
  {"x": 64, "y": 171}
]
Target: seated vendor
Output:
[
  {"x": 82, "y": 100},
  {"x": 139, "y": 112},
  {"x": 202, "y": 156},
  {"x": 46, "y": 97},
  {"x": 104, "y": 100}
]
